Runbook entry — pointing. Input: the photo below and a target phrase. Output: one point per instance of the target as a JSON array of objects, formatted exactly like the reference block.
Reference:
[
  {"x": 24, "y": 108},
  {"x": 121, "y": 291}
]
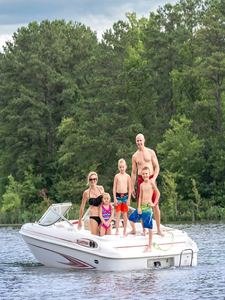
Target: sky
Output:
[{"x": 99, "y": 15}]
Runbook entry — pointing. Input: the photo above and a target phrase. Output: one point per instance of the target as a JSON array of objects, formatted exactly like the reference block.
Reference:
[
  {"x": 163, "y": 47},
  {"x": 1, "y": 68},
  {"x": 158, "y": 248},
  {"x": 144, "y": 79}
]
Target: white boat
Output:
[{"x": 56, "y": 241}]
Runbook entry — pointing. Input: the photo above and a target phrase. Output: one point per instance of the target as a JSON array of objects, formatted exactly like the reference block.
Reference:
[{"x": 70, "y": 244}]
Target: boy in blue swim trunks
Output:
[
  {"x": 122, "y": 194},
  {"x": 145, "y": 204}
]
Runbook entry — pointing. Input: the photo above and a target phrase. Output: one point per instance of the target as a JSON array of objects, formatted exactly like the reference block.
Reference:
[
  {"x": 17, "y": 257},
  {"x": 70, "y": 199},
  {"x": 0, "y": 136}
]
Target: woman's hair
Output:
[
  {"x": 90, "y": 174},
  {"x": 121, "y": 161}
]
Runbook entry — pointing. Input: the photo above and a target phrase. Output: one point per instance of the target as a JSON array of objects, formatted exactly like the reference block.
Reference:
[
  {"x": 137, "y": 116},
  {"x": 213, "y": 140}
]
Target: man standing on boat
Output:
[{"x": 145, "y": 157}]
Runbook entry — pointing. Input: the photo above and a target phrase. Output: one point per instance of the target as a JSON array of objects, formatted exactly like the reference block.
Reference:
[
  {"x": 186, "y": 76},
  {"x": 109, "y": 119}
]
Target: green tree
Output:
[
  {"x": 11, "y": 201},
  {"x": 197, "y": 202},
  {"x": 42, "y": 80},
  {"x": 163, "y": 37},
  {"x": 187, "y": 88},
  {"x": 170, "y": 198},
  {"x": 180, "y": 153},
  {"x": 106, "y": 125},
  {"x": 31, "y": 187},
  {"x": 210, "y": 67}
]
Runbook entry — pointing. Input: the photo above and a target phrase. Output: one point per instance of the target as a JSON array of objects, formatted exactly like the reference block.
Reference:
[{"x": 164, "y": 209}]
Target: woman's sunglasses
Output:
[{"x": 92, "y": 179}]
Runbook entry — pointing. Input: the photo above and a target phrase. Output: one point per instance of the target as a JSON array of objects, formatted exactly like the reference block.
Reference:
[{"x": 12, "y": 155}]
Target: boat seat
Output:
[
  {"x": 58, "y": 225},
  {"x": 86, "y": 224}
]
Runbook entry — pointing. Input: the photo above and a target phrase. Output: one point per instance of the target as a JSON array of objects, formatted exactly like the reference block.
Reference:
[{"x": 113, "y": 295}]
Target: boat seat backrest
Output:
[{"x": 86, "y": 224}]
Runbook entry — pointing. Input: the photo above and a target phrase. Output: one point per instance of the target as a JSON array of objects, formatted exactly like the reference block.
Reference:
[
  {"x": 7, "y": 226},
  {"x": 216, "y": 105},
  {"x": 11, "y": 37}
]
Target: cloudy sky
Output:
[{"x": 99, "y": 15}]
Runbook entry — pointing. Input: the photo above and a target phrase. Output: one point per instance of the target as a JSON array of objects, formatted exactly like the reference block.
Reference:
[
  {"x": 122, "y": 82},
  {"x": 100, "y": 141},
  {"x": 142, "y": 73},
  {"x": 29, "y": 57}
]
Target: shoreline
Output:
[{"x": 11, "y": 225}]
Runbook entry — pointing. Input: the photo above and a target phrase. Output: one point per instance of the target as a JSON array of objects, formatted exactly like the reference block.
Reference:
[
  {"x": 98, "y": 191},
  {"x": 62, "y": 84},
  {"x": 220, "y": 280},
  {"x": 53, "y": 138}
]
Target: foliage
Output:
[
  {"x": 170, "y": 206},
  {"x": 11, "y": 200},
  {"x": 70, "y": 104}
]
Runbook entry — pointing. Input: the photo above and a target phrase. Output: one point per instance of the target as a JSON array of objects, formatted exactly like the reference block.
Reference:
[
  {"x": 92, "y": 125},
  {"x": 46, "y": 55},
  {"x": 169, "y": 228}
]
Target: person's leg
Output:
[
  {"x": 125, "y": 223},
  {"x": 117, "y": 221},
  {"x": 149, "y": 248},
  {"x": 133, "y": 218},
  {"x": 102, "y": 230},
  {"x": 133, "y": 231},
  {"x": 108, "y": 230},
  {"x": 94, "y": 226},
  {"x": 157, "y": 219},
  {"x": 144, "y": 229},
  {"x": 140, "y": 180}
]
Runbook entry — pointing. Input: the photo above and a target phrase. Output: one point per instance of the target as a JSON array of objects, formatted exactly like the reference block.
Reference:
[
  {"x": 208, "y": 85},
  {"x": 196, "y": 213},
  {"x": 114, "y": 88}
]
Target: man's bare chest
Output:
[{"x": 143, "y": 158}]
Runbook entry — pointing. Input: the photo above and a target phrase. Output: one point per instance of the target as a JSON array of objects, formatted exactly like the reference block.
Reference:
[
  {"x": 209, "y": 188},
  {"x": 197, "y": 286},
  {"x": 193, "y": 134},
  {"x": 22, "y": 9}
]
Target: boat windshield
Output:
[{"x": 54, "y": 213}]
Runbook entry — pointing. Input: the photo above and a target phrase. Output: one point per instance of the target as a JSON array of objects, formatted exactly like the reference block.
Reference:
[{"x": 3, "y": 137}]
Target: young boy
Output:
[
  {"x": 122, "y": 194},
  {"x": 145, "y": 205}
]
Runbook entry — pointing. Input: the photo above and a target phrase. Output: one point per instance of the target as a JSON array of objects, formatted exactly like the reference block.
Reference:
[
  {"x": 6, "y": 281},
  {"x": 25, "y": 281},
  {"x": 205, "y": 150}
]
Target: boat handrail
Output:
[{"x": 192, "y": 254}]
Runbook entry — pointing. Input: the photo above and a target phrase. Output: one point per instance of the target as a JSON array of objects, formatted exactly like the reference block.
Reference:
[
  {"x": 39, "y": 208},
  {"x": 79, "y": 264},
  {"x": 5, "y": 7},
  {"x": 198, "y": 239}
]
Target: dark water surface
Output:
[{"x": 21, "y": 277}]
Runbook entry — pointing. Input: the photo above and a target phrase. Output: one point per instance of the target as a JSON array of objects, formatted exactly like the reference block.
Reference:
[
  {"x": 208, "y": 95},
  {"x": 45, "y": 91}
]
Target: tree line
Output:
[{"x": 70, "y": 104}]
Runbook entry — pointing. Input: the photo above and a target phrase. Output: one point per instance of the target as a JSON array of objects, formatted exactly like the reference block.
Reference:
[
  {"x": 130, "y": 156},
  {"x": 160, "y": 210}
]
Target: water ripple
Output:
[{"x": 22, "y": 277}]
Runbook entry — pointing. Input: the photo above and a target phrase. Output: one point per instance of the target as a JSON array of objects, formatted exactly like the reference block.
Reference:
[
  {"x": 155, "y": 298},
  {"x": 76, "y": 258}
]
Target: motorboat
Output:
[{"x": 55, "y": 241}]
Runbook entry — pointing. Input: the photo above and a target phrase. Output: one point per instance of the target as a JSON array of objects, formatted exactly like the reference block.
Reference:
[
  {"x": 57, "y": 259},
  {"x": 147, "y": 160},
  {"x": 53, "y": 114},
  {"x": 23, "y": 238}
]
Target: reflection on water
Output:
[{"x": 22, "y": 277}]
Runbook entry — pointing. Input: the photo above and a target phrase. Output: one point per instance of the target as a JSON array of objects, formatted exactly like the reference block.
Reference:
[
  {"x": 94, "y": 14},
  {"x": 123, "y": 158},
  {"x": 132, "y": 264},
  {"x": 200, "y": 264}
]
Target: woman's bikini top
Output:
[{"x": 95, "y": 201}]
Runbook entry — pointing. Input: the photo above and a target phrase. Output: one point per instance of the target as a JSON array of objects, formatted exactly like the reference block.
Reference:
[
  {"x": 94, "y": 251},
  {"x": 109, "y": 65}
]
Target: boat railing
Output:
[{"x": 186, "y": 250}]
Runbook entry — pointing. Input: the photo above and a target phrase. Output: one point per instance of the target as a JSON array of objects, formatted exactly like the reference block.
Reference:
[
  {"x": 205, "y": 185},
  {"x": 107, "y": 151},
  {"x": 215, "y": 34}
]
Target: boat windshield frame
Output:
[{"x": 55, "y": 213}]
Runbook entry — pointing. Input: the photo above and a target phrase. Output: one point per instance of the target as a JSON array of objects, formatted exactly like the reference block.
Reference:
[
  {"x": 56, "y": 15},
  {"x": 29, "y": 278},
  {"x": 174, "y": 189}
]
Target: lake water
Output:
[{"x": 21, "y": 277}]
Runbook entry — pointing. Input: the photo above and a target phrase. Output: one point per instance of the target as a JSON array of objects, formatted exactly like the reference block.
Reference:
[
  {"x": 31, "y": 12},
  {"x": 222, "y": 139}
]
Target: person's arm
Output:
[
  {"x": 101, "y": 189},
  {"x": 129, "y": 189},
  {"x": 140, "y": 200},
  {"x": 100, "y": 215},
  {"x": 155, "y": 164},
  {"x": 114, "y": 190},
  {"x": 111, "y": 217},
  {"x": 83, "y": 202},
  {"x": 133, "y": 176},
  {"x": 154, "y": 187}
]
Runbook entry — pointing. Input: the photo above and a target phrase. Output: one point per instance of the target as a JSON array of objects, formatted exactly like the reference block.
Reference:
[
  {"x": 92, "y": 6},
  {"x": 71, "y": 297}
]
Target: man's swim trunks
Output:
[
  {"x": 146, "y": 216},
  {"x": 122, "y": 202},
  {"x": 140, "y": 180}
]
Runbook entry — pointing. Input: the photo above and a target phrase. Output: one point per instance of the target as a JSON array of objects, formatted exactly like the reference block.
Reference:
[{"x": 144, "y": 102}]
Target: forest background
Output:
[{"x": 70, "y": 104}]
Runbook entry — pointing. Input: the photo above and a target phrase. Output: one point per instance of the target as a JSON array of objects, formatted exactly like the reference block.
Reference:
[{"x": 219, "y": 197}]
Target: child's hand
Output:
[
  {"x": 115, "y": 202},
  {"x": 139, "y": 211}
]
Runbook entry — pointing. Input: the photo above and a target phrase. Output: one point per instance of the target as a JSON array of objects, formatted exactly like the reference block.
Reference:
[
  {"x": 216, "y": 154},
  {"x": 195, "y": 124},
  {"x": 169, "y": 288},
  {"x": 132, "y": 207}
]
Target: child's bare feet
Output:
[
  {"x": 132, "y": 232},
  {"x": 159, "y": 232},
  {"x": 144, "y": 232},
  {"x": 125, "y": 234},
  {"x": 149, "y": 249},
  {"x": 117, "y": 233}
]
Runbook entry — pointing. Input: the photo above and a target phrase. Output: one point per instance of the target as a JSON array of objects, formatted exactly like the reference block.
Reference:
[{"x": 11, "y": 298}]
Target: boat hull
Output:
[{"x": 69, "y": 248}]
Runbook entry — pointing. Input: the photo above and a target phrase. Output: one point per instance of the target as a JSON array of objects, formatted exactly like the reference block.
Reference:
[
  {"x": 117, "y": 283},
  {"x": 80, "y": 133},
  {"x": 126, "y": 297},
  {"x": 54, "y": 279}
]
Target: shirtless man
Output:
[{"x": 145, "y": 157}]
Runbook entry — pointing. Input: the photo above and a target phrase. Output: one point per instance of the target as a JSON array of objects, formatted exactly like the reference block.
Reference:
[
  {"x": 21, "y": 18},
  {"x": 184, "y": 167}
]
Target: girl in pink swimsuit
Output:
[{"x": 106, "y": 215}]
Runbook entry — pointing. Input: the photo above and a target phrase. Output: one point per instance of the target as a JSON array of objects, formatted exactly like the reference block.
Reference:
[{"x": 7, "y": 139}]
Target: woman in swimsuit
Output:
[{"x": 94, "y": 195}]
